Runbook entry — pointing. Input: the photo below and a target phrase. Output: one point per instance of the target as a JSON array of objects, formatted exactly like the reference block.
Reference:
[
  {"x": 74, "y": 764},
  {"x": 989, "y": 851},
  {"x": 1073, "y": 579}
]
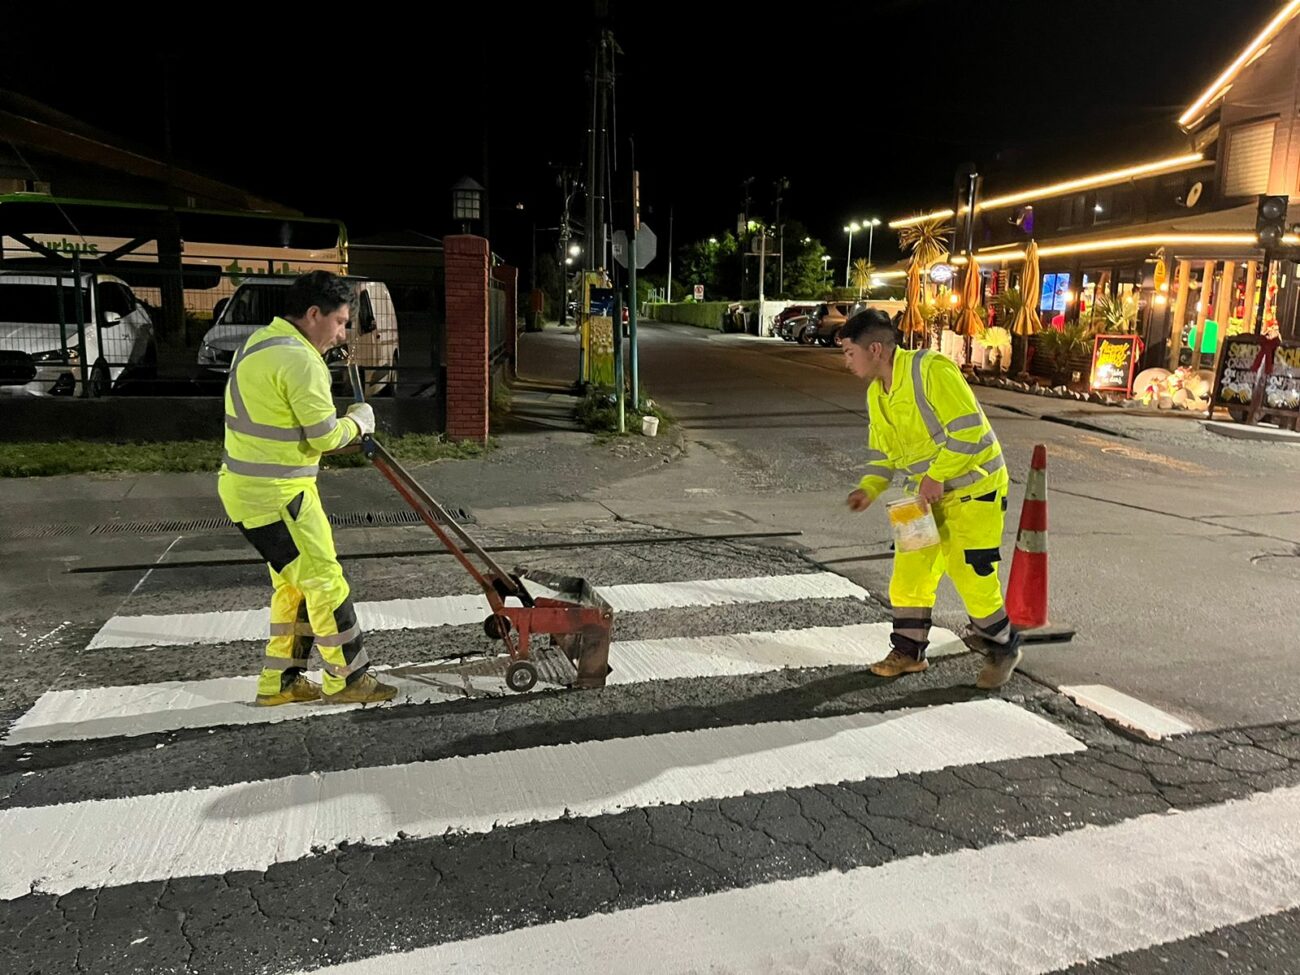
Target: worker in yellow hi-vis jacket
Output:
[
  {"x": 926, "y": 424},
  {"x": 280, "y": 417}
]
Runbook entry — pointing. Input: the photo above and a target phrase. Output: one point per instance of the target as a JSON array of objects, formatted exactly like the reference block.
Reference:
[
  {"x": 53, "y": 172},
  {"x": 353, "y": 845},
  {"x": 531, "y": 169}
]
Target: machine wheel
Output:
[
  {"x": 521, "y": 676},
  {"x": 496, "y": 627}
]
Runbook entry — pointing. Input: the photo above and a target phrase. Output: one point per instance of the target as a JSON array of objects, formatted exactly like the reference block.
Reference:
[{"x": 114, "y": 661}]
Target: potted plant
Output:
[{"x": 998, "y": 342}]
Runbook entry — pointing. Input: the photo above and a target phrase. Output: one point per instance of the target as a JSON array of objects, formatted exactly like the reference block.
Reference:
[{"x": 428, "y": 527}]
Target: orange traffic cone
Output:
[{"x": 1027, "y": 588}]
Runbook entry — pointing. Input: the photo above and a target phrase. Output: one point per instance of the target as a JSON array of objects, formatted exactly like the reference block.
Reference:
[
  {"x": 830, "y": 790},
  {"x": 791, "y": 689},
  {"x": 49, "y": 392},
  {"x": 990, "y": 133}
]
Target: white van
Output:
[
  {"x": 371, "y": 340},
  {"x": 41, "y": 347}
]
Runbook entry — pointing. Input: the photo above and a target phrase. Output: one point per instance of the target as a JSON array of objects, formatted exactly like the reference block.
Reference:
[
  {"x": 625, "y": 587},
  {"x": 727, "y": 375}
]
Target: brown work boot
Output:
[
  {"x": 364, "y": 690},
  {"x": 997, "y": 670},
  {"x": 899, "y": 663},
  {"x": 300, "y": 690}
]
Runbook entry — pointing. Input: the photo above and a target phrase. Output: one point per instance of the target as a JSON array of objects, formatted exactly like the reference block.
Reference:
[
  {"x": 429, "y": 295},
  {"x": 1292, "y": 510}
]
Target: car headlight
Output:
[
  {"x": 57, "y": 355},
  {"x": 210, "y": 355}
]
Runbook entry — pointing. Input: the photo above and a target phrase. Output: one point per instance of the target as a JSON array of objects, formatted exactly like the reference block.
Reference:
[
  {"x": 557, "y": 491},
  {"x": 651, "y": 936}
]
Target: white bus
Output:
[{"x": 218, "y": 249}]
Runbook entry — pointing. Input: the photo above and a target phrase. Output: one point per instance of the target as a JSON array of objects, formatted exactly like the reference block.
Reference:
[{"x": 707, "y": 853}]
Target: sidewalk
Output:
[{"x": 541, "y": 471}]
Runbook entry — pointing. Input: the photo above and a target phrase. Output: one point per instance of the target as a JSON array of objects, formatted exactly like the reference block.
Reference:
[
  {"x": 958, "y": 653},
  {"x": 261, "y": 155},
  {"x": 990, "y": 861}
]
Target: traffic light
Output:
[{"x": 1270, "y": 221}]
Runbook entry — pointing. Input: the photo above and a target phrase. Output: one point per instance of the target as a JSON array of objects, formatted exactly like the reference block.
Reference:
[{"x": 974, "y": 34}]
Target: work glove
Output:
[{"x": 363, "y": 416}]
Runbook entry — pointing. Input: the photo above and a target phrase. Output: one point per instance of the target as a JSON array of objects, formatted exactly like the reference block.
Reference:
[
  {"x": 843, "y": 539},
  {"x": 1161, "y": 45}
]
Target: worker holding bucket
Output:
[{"x": 926, "y": 424}]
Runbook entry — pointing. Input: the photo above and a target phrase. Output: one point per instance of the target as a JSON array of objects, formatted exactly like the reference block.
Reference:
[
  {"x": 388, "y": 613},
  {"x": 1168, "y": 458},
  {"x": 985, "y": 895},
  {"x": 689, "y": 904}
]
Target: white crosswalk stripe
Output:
[
  {"x": 1020, "y": 907},
  {"x": 104, "y": 712},
  {"x": 252, "y": 826},
  {"x": 951, "y": 845},
  {"x": 179, "y": 629}
]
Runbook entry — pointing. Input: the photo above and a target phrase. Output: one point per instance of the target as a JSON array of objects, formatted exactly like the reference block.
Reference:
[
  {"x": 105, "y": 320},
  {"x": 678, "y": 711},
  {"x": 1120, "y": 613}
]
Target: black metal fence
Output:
[
  {"x": 90, "y": 328},
  {"x": 496, "y": 319}
]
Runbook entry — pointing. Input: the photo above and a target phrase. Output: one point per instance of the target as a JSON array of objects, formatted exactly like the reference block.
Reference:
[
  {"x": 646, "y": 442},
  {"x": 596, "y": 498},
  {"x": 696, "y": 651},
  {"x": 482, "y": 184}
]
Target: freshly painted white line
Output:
[
  {"x": 1029, "y": 907},
  {"x": 179, "y": 629},
  {"x": 1127, "y": 711},
  {"x": 637, "y": 597},
  {"x": 106, "y": 712},
  {"x": 251, "y": 826},
  {"x": 749, "y": 653}
]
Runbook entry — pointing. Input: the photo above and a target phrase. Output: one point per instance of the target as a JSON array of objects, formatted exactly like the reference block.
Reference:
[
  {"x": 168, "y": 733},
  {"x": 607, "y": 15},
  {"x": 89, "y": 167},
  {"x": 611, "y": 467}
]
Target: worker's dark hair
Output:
[
  {"x": 872, "y": 325},
  {"x": 319, "y": 288}
]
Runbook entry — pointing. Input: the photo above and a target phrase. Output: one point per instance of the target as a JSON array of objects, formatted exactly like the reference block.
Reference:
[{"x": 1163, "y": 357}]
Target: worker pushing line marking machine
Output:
[{"x": 579, "y": 621}]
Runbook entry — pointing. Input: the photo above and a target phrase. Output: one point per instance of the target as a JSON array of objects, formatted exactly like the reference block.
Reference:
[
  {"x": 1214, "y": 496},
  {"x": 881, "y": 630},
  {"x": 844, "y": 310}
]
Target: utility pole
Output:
[
  {"x": 596, "y": 233},
  {"x": 631, "y": 278},
  {"x": 568, "y": 185},
  {"x": 670, "y": 254},
  {"x": 782, "y": 185},
  {"x": 744, "y": 240}
]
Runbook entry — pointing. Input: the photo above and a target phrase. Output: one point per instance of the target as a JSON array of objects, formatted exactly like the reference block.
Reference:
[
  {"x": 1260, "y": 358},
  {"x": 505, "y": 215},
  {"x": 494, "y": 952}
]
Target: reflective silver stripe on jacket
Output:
[
  {"x": 971, "y": 449},
  {"x": 242, "y": 423},
  {"x": 928, "y": 416},
  {"x": 981, "y": 472},
  {"x": 967, "y": 422},
  {"x": 250, "y": 469}
]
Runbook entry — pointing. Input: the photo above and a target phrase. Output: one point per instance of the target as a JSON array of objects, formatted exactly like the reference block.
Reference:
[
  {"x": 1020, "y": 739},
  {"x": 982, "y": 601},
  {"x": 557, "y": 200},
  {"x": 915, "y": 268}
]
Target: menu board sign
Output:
[
  {"x": 1236, "y": 379},
  {"x": 1258, "y": 378},
  {"x": 1114, "y": 362},
  {"x": 1282, "y": 386}
]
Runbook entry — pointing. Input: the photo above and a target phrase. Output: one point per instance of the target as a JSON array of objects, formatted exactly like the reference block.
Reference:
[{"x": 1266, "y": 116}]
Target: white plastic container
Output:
[
  {"x": 649, "y": 426},
  {"x": 912, "y": 524}
]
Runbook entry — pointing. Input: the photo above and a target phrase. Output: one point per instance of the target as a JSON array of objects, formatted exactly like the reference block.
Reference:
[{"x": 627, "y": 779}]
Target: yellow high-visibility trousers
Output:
[
  {"x": 970, "y": 536},
  {"x": 312, "y": 599}
]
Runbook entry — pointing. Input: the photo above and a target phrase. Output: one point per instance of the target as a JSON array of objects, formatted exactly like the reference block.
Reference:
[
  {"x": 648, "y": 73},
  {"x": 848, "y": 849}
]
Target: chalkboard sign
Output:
[
  {"x": 1114, "y": 362},
  {"x": 1282, "y": 385},
  {"x": 1238, "y": 389},
  {"x": 1234, "y": 387}
]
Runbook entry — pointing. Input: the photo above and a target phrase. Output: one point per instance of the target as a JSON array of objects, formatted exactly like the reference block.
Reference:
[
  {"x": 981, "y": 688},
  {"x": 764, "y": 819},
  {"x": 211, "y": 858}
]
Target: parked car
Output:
[
  {"x": 42, "y": 348},
  {"x": 371, "y": 338},
  {"x": 781, "y": 323},
  {"x": 824, "y": 323}
]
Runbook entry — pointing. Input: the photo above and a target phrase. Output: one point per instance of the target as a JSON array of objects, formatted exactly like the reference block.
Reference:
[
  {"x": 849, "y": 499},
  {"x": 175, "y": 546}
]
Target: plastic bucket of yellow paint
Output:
[{"x": 913, "y": 525}]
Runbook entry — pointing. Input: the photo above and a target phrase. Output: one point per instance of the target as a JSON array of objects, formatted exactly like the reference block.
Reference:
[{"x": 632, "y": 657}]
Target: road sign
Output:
[
  {"x": 646, "y": 244},
  {"x": 699, "y": 292}
]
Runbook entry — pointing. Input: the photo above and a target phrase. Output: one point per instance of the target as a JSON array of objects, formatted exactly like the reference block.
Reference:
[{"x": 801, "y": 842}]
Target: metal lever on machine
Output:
[{"x": 359, "y": 394}]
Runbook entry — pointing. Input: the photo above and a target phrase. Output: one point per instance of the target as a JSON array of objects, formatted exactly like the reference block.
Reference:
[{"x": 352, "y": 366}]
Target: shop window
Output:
[
  {"x": 1249, "y": 158},
  {"x": 1103, "y": 207},
  {"x": 1075, "y": 212},
  {"x": 1052, "y": 298}
]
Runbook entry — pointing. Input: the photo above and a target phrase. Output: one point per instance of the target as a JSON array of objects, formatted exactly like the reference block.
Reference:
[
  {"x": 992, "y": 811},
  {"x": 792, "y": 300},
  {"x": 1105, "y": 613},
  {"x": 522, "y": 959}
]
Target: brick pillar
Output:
[
  {"x": 467, "y": 337},
  {"x": 509, "y": 278}
]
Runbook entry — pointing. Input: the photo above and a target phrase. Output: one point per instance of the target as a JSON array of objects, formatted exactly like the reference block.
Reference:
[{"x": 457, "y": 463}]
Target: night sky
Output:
[{"x": 866, "y": 108}]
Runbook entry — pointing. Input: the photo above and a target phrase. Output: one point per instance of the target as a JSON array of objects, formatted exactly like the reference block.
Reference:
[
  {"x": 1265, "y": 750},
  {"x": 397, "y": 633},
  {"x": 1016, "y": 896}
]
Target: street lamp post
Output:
[
  {"x": 466, "y": 203},
  {"x": 851, "y": 229},
  {"x": 826, "y": 269},
  {"x": 872, "y": 224}
]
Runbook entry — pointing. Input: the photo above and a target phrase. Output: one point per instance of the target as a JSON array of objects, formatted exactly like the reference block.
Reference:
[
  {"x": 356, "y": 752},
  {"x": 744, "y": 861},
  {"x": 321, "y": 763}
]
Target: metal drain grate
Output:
[
  {"x": 339, "y": 519},
  {"x": 156, "y": 527},
  {"x": 354, "y": 519},
  {"x": 42, "y": 531}
]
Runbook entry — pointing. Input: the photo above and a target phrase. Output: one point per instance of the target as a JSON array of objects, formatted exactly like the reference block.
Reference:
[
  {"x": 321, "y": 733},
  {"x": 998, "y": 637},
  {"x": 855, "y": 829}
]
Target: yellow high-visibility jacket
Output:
[
  {"x": 929, "y": 422},
  {"x": 280, "y": 417}
]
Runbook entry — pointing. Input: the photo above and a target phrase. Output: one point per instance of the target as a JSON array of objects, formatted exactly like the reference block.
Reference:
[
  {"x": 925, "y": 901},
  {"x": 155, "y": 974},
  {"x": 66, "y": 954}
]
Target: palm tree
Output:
[
  {"x": 927, "y": 240},
  {"x": 862, "y": 272}
]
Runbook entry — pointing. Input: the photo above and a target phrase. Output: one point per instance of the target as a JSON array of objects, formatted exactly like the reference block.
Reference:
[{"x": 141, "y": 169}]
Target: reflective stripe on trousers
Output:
[{"x": 305, "y": 572}]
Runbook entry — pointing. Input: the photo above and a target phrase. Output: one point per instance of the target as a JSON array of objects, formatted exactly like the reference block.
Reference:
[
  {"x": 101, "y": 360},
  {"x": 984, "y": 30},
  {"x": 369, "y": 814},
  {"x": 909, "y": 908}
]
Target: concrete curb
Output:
[{"x": 1246, "y": 431}]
